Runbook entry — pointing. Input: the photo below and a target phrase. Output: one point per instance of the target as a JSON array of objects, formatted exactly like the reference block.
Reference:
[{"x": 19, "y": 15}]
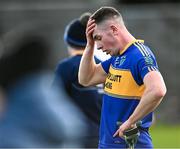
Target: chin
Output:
[{"x": 117, "y": 52}]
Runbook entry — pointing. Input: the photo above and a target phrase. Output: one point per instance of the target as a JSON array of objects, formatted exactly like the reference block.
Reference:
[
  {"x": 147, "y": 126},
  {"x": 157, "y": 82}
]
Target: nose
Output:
[{"x": 99, "y": 46}]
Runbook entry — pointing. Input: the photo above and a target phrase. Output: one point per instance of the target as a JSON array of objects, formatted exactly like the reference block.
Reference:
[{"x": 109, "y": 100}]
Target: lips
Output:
[{"x": 107, "y": 51}]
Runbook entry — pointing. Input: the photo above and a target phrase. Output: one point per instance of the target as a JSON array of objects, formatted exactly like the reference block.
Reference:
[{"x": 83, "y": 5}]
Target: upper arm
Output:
[
  {"x": 149, "y": 73},
  {"x": 100, "y": 72},
  {"x": 154, "y": 81},
  {"x": 99, "y": 75}
]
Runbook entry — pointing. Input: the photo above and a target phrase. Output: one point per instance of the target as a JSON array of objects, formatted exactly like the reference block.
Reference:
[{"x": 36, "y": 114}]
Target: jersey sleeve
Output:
[
  {"x": 106, "y": 64},
  {"x": 146, "y": 64}
]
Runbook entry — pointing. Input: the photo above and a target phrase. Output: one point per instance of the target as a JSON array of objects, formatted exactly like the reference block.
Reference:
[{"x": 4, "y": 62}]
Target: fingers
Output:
[
  {"x": 90, "y": 27},
  {"x": 119, "y": 133},
  {"x": 89, "y": 32},
  {"x": 116, "y": 133}
]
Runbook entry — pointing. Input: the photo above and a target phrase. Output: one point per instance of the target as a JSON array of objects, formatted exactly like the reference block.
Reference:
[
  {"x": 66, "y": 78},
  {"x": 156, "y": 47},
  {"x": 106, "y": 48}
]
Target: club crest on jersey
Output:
[
  {"x": 148, "y": 60},
  {"x": 117, "y": 61},
  {"x": 123, "y": 58},
  {"x": 120, "y": 60}
]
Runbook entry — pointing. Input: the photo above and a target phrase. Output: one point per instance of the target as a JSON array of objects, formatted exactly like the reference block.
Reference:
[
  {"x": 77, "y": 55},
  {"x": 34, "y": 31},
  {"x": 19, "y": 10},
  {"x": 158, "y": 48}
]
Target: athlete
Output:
[
  {"x": 87, "y": 99},
  {"x": 134, "y": 87}
]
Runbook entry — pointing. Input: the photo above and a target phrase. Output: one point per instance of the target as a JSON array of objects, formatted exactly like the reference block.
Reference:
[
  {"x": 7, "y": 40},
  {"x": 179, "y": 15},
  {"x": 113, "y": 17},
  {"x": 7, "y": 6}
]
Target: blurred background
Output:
[{"x": 155, "y": 21}]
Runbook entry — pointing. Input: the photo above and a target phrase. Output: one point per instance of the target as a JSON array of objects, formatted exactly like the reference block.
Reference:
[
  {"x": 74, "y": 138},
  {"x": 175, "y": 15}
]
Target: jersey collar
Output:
[{"x": 129, "y": 44}]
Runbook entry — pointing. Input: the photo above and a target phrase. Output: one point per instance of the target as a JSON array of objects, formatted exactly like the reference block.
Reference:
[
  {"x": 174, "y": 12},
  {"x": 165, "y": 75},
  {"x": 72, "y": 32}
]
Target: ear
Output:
[{"x": 114, "y": 29}]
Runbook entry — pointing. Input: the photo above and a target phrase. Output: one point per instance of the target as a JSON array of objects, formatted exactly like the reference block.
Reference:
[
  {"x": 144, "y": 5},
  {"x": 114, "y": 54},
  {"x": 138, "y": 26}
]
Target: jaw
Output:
[
  {"x": 117, "y": 52},
  {"x": 114, "y": 52}
]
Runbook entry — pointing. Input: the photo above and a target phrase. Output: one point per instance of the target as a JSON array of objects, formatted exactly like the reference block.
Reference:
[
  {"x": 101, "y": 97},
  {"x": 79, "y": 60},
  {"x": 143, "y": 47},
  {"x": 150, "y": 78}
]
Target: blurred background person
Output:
[
  {"x": 35, "y": 115},
  {"x": 2, "y": 94},
  {"x": 87, "y": 99},
  {"x": 2, "y": 101}
]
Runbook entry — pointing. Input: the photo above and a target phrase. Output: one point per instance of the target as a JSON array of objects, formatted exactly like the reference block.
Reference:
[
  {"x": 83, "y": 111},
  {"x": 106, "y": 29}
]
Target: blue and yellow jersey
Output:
[{"x": 124, "y": 88}]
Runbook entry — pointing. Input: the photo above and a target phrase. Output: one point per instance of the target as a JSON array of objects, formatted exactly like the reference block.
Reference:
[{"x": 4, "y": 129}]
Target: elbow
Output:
[
  {"x": 161, "y": 92},
  {"x": 83, "y": 82}
]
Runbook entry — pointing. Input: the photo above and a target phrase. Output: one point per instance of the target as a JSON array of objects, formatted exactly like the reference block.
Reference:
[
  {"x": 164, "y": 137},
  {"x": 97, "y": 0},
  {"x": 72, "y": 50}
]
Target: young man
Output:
[
  {"x": 88, "y": 99},
  {"x": 134, "y": 86}
]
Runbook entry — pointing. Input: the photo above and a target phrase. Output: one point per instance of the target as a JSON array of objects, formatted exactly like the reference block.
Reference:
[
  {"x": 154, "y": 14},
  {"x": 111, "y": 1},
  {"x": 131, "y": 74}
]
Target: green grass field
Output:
[{"x": 165, "y": 136}]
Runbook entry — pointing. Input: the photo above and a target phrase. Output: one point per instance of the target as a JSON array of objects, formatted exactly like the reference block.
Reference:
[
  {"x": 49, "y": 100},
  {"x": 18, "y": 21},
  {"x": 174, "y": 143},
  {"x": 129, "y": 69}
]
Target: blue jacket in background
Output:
[{"x": 88, "y": 99}]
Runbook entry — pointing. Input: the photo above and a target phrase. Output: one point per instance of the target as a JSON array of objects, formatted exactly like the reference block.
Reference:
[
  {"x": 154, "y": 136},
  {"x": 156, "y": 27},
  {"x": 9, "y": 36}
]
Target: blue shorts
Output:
[{"x": 144, "y": 141}]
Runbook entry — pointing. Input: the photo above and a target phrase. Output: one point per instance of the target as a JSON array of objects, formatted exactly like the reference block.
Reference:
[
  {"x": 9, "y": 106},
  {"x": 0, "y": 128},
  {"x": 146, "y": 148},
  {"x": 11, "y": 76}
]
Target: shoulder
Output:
[
  {"x": 141, "y": 51},
  {"x": 66, "y": 62}
]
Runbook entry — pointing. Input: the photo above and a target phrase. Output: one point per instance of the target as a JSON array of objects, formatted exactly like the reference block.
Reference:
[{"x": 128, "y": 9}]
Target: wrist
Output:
[
  {"x": 131, "y": 120},
  {"x": 90, "y": 46}
]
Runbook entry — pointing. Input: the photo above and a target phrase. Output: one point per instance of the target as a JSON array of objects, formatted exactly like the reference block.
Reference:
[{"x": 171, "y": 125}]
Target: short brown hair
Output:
[{"x": 105, "y": 13}]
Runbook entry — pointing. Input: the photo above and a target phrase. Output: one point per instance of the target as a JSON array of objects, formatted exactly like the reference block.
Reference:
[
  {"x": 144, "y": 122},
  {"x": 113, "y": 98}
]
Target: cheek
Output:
[
  {"x": 108, "y": 42},
  {"x": 110, "y": 37}
]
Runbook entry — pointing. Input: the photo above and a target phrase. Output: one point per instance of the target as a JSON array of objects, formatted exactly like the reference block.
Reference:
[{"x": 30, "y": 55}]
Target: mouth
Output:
[{"x": 107, "y": 52}]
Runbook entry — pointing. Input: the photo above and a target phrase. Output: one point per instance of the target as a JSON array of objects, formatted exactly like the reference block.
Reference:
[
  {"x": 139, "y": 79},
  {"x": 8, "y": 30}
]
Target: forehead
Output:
[{"x": 99, "y": 29}]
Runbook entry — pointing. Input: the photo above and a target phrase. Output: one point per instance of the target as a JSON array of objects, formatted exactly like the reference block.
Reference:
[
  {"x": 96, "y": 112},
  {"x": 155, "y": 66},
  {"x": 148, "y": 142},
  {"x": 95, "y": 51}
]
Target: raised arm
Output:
[{"x": 90, "y": 73}]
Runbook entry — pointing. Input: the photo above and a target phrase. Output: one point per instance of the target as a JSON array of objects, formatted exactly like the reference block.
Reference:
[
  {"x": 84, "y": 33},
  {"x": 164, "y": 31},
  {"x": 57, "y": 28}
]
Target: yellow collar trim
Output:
[{"x": 129, "y": 44}]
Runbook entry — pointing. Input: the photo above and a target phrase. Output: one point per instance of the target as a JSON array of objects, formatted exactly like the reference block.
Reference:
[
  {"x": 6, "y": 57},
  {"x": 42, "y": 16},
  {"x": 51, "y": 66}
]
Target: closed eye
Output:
[{"x": 97, "y": 37}]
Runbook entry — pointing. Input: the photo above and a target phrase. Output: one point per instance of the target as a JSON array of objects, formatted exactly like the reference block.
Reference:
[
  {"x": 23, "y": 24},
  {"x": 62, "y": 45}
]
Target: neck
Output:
[{"x": 125, "y": 39}]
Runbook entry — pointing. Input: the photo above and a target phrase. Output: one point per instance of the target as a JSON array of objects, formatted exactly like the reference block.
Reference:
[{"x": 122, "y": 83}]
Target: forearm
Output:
[
  {"x": 152, "y": 96},
  {"x": 149, "y": 101},
  {"x": 87, "y": 66}
]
